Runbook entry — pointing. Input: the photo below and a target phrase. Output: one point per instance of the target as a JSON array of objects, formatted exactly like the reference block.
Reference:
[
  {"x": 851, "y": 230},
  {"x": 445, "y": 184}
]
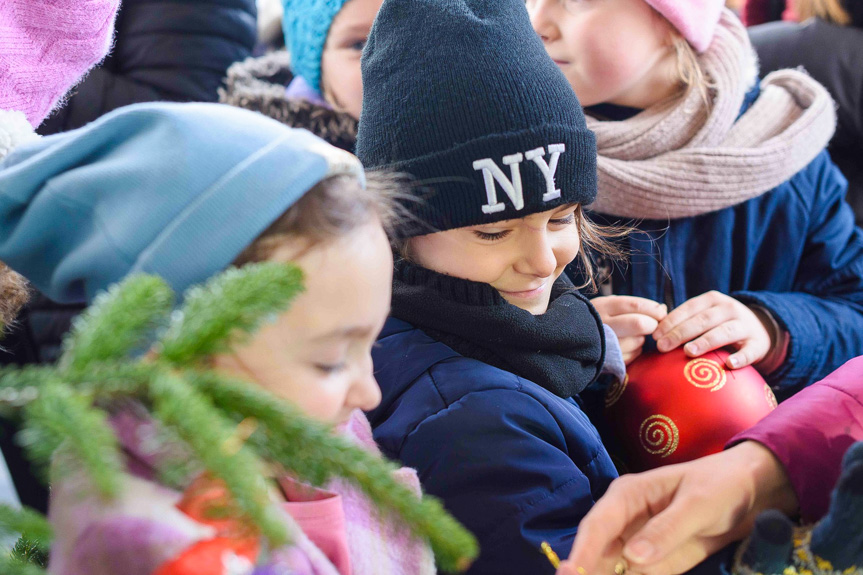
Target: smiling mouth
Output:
[{"x": 526, "y": 294}]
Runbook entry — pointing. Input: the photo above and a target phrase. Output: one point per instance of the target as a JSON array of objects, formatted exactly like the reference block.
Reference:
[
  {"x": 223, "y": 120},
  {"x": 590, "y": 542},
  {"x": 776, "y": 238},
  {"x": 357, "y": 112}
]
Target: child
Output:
[
  {"x": 45, "y": 49},
  {"x": 488, "y": 342},
  {"x": 182, "y": 191},
  {"x": 744, "y": 232},
  {"x": 325, "y": 40}
]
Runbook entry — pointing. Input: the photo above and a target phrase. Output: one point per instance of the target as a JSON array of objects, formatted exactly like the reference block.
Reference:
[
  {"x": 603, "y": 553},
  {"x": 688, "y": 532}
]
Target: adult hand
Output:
[
  {"x": 631, "y": 318},
  {"x": 711, "y": 321},
  {"x": 668, "y": 520}
]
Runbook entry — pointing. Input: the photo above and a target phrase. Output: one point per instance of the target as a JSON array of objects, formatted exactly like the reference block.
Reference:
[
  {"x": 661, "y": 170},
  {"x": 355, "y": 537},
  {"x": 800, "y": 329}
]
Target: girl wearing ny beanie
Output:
[
  {"x": 744, "y": 233},
  {"x": 184, "y": 191},
  {"x": 488, "y": 342},
  {"x": 325, "y": 39}
]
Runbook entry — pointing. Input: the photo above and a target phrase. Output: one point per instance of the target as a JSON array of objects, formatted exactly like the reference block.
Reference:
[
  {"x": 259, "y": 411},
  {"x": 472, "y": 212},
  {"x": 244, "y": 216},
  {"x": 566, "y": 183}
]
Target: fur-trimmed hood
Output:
[{"x": 258, "y": 84}]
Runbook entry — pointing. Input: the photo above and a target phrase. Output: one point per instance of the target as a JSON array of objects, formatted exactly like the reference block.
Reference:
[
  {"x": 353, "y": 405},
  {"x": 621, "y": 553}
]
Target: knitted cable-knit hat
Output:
[
  {"x": 696, "y": 20},
  {"x": 306, "y": 24},
  {"x": 176, "y": 190},
  {"x": 479, "y": 112},
  {"x": 46, "y": 46}
]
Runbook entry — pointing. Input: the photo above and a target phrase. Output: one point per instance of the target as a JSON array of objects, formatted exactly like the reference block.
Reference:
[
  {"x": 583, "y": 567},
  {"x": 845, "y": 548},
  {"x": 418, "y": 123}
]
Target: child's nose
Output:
[
  {"x": 365, "y": 392},
  {"x": 538, "y": 256},
  {"x": 540, "y": 18}
]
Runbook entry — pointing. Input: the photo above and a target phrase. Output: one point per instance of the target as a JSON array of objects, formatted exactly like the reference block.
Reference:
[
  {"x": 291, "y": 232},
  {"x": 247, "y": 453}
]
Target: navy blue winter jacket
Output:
[
  {"x": 794, "y": 251},
  {"x": 516, "y": 464}
]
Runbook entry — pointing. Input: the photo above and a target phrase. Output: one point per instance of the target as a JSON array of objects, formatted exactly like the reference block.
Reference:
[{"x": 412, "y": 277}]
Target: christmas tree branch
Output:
[
  {"x": 229, "y": 306},
  {"x": 118, "y": 322},
  {"x": 31, "y": 524},
  {"x": 60, "y": 417},
  {"x": 210, "y": 435},
  {"x": 315, "y": 455},
  {"x": 14, "y": 566}
]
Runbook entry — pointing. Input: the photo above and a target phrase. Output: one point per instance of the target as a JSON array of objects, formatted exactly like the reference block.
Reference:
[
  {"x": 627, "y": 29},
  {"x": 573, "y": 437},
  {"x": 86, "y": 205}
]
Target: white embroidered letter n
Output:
[
  {"x": 512, "y": 186},
  {"x": 491, "y": 173}
]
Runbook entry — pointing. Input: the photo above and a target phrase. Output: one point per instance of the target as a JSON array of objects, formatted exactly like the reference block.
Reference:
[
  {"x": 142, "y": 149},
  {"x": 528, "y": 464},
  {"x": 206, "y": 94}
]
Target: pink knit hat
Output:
[
  {"x": 46, "y": 46},
  {"x": 696, "y": 20}
]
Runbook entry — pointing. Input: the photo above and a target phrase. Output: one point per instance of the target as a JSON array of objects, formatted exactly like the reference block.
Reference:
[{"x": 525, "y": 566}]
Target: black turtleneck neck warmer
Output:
[{"x": 562, "y": 350}]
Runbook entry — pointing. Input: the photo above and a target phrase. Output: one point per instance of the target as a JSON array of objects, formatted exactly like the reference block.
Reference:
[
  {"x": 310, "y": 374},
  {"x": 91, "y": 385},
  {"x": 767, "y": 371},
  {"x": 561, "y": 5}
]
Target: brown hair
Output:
[
  {"x": 14, "y": 295},
  {"x": 829, "y": 10},
  {"x": 332, "y": 209},
  {"x": 596, "y": 242}
]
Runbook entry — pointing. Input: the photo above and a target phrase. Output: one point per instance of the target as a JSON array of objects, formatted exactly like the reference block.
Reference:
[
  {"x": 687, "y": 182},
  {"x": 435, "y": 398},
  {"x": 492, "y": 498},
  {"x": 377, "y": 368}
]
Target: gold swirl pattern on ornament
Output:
[
  {"x": 705, "y": 374},
  {"x": 771, "y": 399},
  {"x": 615, "y": 390},
  {"x": 658, "y": 435}
]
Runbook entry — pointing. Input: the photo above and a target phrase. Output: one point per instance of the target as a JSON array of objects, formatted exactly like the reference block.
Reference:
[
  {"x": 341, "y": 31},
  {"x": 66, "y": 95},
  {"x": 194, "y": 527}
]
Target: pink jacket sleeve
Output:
[{"x": 810, "y": 433}]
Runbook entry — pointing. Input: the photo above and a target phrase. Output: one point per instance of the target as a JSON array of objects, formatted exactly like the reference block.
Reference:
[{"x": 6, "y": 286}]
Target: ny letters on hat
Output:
[{"x": 481, "y": 115}]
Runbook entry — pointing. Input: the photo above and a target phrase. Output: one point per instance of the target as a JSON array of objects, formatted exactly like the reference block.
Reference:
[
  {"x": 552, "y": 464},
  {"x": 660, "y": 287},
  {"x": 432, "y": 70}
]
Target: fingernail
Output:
[
  {"x": 639, "y": 552},
  {"x": 662, "y": 344},
  {"x": 734, "y": 361},
  {"x": 692, "y": 349}
]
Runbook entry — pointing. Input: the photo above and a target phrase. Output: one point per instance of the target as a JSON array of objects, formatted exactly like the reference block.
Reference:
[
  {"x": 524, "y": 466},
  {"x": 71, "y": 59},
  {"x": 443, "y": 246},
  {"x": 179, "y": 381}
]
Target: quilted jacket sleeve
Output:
[{"x": 510, "y": 475}]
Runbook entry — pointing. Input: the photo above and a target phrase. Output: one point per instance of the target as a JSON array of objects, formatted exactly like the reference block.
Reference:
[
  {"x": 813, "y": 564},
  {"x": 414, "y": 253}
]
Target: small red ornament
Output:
[
  {"x": 235, "y": 547},
  {"x": 673, "y": 408}
]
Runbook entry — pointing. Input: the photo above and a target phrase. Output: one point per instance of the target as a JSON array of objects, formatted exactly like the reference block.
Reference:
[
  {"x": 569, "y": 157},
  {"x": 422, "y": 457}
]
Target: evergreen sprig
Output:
[
  {"x": 61, "y": 417},
  {"x": 244, "y": 298},
  {"x": 209, "y": 435},
  {"x": 29, "y": 550},
  {"x": 30, "y": 524},
  {"x": 14, "y": 565},
  {"x": 119, "y": 321},
  {"x": 316, "y": 456},
  {"x": 104, "y": 363}
]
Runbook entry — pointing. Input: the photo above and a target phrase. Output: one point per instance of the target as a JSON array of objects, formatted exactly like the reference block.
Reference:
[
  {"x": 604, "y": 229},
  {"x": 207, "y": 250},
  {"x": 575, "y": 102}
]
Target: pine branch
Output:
[
  {"x": 227, "y": 307},
  {"x": 209, "y": 434},
  {"x": 33, "y": 551},
  {"x": 61, "y": 417},
  {"x": 313, "y": 454},
  {"x": 118, "y": 321},
  {"x": 14, "y": 566},
  {"x": 27, "y": 522}
]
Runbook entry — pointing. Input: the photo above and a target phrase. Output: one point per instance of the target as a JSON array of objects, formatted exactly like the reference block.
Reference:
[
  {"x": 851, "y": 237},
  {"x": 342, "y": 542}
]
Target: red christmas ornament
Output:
[
  {"x": 672, "y": 408},
  {"x": 235, "y": 547}
]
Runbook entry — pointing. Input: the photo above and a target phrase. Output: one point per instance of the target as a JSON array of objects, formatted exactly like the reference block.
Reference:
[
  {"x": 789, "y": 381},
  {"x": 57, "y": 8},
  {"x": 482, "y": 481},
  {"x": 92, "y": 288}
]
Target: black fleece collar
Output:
[{"x": 562, "y": 350}]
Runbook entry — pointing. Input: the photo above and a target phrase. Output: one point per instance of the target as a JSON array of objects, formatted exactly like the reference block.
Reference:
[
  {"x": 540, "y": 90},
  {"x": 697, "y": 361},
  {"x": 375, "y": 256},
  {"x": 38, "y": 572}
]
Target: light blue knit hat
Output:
[
  {"x": 306, "y": 24},
  {"x": 177, "y": 190}
]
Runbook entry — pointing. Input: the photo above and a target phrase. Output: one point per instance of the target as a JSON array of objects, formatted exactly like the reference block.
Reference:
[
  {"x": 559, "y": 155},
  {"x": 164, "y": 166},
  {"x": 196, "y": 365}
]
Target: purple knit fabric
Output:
[{"x": 46, "y": 47}]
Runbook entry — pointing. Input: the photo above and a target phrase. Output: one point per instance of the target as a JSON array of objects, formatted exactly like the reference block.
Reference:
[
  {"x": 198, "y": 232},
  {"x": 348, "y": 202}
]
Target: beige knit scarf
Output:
[{"x": 683, "y": 158}]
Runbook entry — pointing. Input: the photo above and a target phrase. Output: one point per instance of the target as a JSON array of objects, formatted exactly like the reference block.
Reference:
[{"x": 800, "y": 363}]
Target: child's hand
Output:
[
  {"x": 631, "y": 318},
  {"x": 711, "y": 321}
]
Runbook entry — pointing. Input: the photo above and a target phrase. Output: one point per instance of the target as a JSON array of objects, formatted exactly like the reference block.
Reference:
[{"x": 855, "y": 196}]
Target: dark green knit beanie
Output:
[{"x": 461, "y": 95}]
